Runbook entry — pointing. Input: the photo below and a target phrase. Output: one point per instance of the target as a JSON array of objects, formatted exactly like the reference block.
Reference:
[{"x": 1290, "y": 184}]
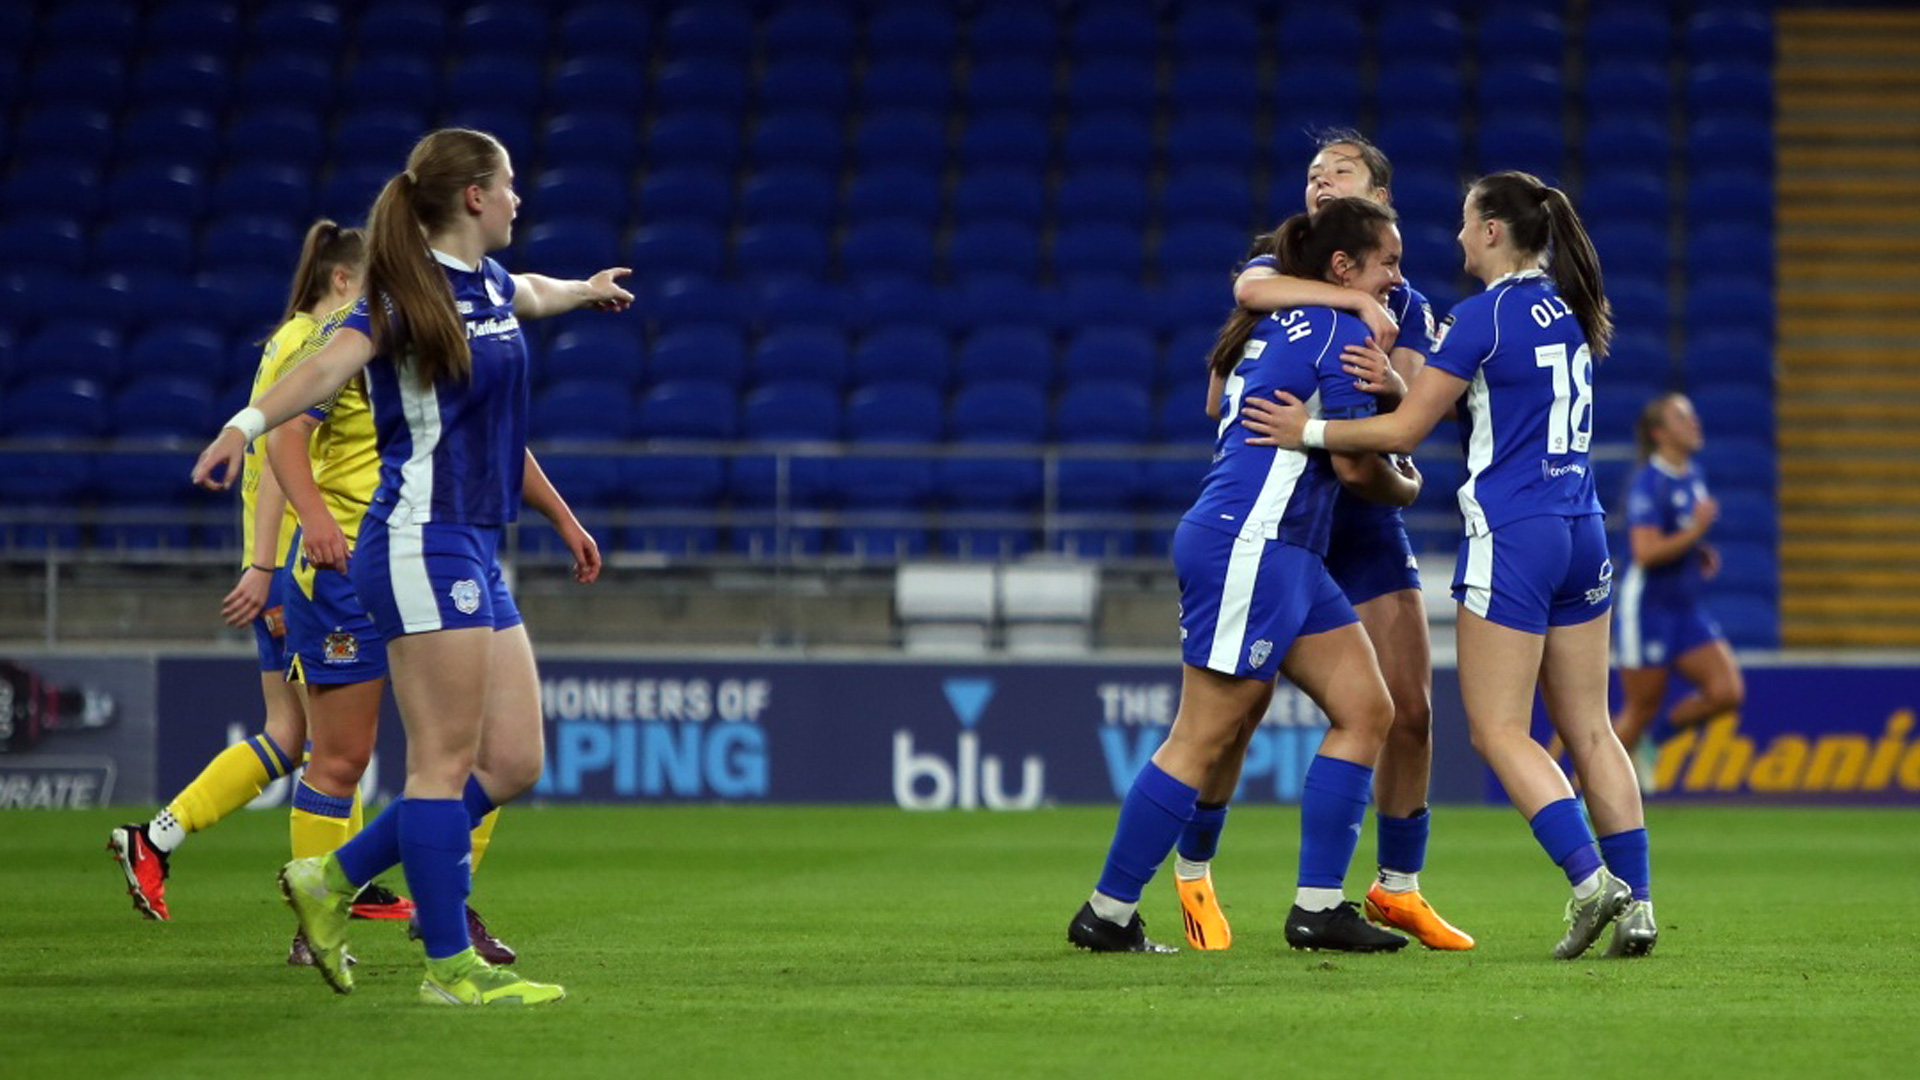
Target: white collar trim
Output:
[
  {"x": 1517, "y": 275},
  {"x": 1672, "y": 471},
  {"x": 445, "y": 259}
]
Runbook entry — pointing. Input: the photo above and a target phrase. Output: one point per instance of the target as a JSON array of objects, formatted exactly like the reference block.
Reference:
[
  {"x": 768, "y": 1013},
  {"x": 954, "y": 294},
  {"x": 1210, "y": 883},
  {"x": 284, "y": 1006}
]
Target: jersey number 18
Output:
[{"x": 1570, "y": 424}]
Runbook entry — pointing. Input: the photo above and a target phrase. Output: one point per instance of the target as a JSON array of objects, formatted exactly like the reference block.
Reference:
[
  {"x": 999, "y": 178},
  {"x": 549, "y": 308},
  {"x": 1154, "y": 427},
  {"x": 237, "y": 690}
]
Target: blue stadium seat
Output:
[
  {"x": 137, "y": 490},
  {"x": 1212, "y": 141},
  {"x": 1734, "y": 463},
  {"x": 1112, "y": 84},
  {"x": 583, "y": 409},
  {"x": 1208, "y": 195},
  {"x": 1092, "y": 295},
  {"x": 716, "y": 84},
  {"x": 1428, "y": 31},
  {"x": 1730, "y": 35},
  {"x": 1751, "y": 622},
  {"x": 1100, "y": 248},
  {"x": 802, "y": 302},
  {"x": 169, "y": 135},
  {"x": 1628, "y": 90},
  {"x": 1109, "y": 139},
  {"x": 183, "y": 79},
  {"x": 1216, "y": 86},
  {"x": 315, "y": 26},
  {"x": 86, "y": 349},
  {"x": 1512, "y": 30},
  {"x": 1209, "y": 34},
  {"x": 58, "y": 477},
  {"x": 53, "y": 405},
  {"x": 580, "y": 190},
  {"x": 275, "y": 135},
  {"x": 909, "y": 83},
  {"x": 594, "y": 82},
  {"x": 689, "y": 409},
  {"x": 825, "y": 30},
  {"x": 1639, "y": 304},
  {"x": 597, "y": 349},
  {"x": 901, "y": 138},
  {"x": 694, "y": 138},
  {"x": 287, "y": 77},
  {"x": 1200, "y": 249},
  {"x": 212, "y": 27},
  {"x": 1736, "y": 410},
  {"x": 922, "y": 31},
  {"x": 1522, "y": 89},
  {"x": 794, "y": 409},
  {"x": 1628, "y": 195},
  {"x": 1750, "y": 564},
  {"x": 1023, "y": 84},
  {"x": 1733, "y": 248},
  {"x": 1015, "y": 29},
  {"x": 1016, "y": 139},
  {"x": 678, "y": 411},
  {"x": 994, "y": 247},
  {"x": 1728, "y": 354},
  {"x": 1730, "y": 197},
  {"x": 1730, "y": 90},
  {"x": 888, "y": 246},
  {"x": 1419, "y": 89},
  {"x": 904, "y": 354},
  {"x": 707, "y": 354},
  {"x": 693, "y": 300},
  {"x": 677, "y": 246},
  {"x": 161, "y": 406},
  {"x": 43, "y": 243},
  {"x": 780, "y": 412},
  {"x": 609, "y": 29},
  {"x": 804, "y": 83},
  {"x": 347, "y": 195},
  {"x": 1325, "y": 31},
  {"x": 392, "y": 80},
  {"x": 882, "y": 300},
  {"x": 1643, "y": 142},
  {"x": 1639, "y": 355},
  {"x": 1006, "y": 301},
  {"x": 895, "y": 415},
  {"x": 1415, "y": 145},
  {"x": 806, "y": 354},
  {"x": 809, "y": 138},
  {"x": 145, "y": 241},
  {"x": 1617, "y": 404},
  {"x": 1116, "y": 357},
  {"x": 1102, "y": 195},
  {"x": 1742, "y": 144},
  {"x": 1629, "y": 32},
  {"x": 378, "y": 137},
  {"x": 1001, "y": 355},
  {"x": 1113, "y": 32},
  {"x": 1095, "y": 414},
  {"x": 1716, "y": 300},
  {"x": 393, "y": 28},
  {"x": 88, "y": 77},
  {"x": 789, "y": 194},
  {"x": 1197, "y": 302},
  {"x": 992, "y": 414},
  {"x": 69, "y": 133},
  {"x": 503, "y": 29},
  {"x": 684, "y": 194},
  {"x": 184, "y": 350},
  {"x": 1534, "y": 146},
  {"x": 249, "y": 241},
  {"x": 999, "y": 193},
  {"x": 1635, "y": 247},
  {"x": 51, "y": 189},
  {"x": 591, "y": 137},
  {"x": 570, "y": 247}
]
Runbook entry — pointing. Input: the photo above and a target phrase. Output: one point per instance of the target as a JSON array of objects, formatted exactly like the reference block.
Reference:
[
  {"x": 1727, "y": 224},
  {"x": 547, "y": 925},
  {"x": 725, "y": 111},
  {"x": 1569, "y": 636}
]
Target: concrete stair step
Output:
[
  {"x": 1905, "y": 608},
  {"x": 1887, "y": 325},
  {"x": 1849, "y": 246},
  {"x": 1842, "y": 580},
  {"x": 1822, "y": 550},
  {"x": 1859, "y": 414},
  {"x": 1892, "y": 526},
  {"x": 1806, "y": 469},
  {"x": 1804, "y": 633}
]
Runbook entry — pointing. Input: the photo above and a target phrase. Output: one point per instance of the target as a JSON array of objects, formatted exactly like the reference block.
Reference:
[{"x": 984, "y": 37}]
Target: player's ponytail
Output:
[
  {"x": 1541, "y": 221},
  {"x": 411, "y": 305},
  {"x": 1653, "y": 416},
  {"x": 326, "y": 248}
]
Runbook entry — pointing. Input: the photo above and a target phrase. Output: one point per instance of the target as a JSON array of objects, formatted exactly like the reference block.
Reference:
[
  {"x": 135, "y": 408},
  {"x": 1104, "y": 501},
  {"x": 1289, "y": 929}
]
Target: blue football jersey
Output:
[
  {"x": 454, "y": 452},
  {"x": 1665, "y": 498},
  {"x": 1529, "y": 415},
  {"x": 1284, "y": 495},
  {"x": 1410, "y": 310}
]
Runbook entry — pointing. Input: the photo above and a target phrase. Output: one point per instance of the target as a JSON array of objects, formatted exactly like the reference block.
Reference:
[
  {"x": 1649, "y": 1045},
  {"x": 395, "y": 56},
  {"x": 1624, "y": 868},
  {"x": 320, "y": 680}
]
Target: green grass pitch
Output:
[{"x": 849, "y": 943}]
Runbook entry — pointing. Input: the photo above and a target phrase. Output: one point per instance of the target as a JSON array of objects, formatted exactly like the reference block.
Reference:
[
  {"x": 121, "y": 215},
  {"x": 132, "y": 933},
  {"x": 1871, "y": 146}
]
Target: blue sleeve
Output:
[
  {"x": 1643, "y": 499},
  {"x": 1415, "y": 316},
  {"x": 1267, "y": 261},
  {"x": 1339, "y": 398},
  {"x": 502, "y": 280},
  {"x": 358, "y": 318},
  {"x": 1465, "y": 340}
]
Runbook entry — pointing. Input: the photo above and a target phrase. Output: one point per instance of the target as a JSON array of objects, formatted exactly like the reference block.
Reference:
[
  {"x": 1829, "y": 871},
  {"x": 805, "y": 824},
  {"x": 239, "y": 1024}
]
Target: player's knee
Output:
[
  {"x": 1412, "y": 722},
  {"x": 338, "y": 770},
  {"x": 1729, "y": 691},
  {"x": 508, "y": 776}
]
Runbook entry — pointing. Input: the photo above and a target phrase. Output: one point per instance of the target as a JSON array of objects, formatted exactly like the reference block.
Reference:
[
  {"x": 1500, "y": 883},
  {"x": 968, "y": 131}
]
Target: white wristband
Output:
[
  {"x": 250, "y": 421},
  {"x": 1314, "y": 435}
]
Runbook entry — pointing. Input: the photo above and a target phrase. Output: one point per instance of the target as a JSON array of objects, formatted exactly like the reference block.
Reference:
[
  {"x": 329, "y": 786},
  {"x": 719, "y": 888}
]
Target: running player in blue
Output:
[
  {"x": 438, "y": 336},
  {"x": 1256, "y": 601},
  {"x": 1661, "y": 624},
  {"x": 1534, "y": 583},
  {"x": 1372, "y": 561}
]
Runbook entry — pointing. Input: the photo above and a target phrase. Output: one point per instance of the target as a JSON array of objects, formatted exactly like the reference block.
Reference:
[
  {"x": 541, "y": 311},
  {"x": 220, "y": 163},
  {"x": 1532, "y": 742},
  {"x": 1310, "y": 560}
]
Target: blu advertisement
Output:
[{"x": 929, "y": 736}]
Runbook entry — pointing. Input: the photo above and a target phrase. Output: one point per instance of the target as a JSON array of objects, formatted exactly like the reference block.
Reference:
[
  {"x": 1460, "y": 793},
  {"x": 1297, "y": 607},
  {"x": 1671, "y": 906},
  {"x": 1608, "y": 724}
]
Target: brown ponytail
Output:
[
  {"x": 1541, "y": 220},
  {"x": 1304, "y": 245},
  {"x": 326, "y": 248},
  {"x": 410, "y": 302}
]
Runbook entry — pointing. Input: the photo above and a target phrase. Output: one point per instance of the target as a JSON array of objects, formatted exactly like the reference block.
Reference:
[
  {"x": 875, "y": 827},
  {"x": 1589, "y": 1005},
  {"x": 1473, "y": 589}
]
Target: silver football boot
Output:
[
  {"x": 1587, "y": 918},
  {"x": 1634, "y": 932}
]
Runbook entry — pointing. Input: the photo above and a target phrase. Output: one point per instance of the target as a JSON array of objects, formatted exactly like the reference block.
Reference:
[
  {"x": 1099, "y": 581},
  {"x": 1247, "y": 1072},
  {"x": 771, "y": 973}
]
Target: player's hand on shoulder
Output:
[
  {"x": 1279, "y": 421},
  {"x": 219, "y": 464},
  {"x": 1372, "y": 370},
  {"x": 605, "y": 292}
]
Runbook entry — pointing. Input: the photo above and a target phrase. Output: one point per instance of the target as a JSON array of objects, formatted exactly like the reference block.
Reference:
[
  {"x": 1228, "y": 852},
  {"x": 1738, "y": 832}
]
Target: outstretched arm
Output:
[
  {"x": 537, "y": 296},
  {"x": 313, "y": 381}
]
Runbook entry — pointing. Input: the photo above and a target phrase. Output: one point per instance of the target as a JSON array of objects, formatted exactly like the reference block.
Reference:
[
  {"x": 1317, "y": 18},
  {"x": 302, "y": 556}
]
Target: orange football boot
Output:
[
  {"x": 1410, "y": 911},
  {"x": 1200, "y": 910}
]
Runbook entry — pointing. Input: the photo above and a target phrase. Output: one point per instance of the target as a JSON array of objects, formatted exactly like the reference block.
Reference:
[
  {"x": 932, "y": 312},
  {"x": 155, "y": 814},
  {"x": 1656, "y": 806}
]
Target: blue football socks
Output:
[
  {"x": 375, "y": 849},
  {"x": 1332, "y": 806},
  {"x": 1403, "y": 841},
  {"x": 1627, "y": 857},
  {"x": 1564, "y": 834},
  {"x": 1152, "y": 817},
  {"x": 436, "y": 850},
  {"x": 1201, "y": 838}
]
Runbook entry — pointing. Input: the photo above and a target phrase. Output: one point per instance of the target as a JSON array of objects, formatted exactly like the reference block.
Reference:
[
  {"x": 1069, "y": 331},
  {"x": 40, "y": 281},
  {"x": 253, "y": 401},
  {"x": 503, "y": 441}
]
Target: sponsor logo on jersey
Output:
[{"x": 466, "y": 596}]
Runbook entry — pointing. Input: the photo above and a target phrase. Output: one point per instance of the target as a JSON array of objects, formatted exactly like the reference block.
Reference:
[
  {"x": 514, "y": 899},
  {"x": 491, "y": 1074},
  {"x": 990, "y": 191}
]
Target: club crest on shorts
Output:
[
  {"x": 466, "y": 596},
  {"x": 340, "y": 648},
  {"x": 1258, "y": 652}
]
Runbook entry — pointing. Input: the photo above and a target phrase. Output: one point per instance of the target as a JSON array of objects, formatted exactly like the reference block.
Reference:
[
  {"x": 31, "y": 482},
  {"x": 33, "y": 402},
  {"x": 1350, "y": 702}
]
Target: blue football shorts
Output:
[
  {"x": 1537, "y": 572},
  {"x": 331, "y": 640},
  {"x": 1647, "y": 635},
  {"x": 415, "y": 579},
  {"x": 270, "y": 626},
  {"x": 1368, "y": 552},
  {"x": 1243, "y": 602}
]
